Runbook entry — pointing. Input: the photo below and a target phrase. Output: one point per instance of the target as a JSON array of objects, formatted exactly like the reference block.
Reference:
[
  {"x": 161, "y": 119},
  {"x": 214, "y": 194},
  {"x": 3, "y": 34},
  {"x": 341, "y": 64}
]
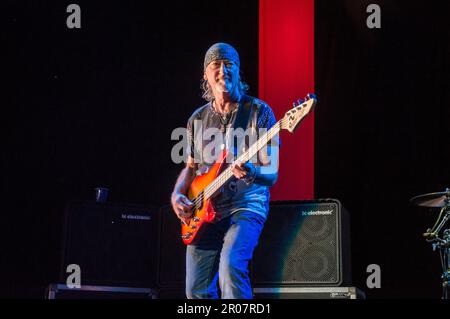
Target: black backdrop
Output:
[
  {"x": 96, "y": 107},
  {"x": 382, "y": 129}
]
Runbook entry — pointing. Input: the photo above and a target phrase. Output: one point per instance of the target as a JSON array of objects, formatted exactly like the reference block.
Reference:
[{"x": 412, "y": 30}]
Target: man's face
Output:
[{"x": 222, "y": 75}]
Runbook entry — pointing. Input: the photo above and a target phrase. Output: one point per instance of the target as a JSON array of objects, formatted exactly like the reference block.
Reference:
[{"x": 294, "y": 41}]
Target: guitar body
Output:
[{"x": 204, "y": 210}]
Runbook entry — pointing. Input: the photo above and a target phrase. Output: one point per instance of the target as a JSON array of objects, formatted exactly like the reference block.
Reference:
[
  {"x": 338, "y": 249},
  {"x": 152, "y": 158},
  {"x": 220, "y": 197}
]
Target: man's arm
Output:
[
  {"x": 265, "y": 174},
  {"x": 180, "y": 203},
  {"x": 184, "y": 180}
]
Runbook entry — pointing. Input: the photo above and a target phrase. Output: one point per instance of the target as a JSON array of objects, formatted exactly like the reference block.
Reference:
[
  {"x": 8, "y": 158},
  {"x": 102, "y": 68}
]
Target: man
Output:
[{"x": 221, "y": 251}]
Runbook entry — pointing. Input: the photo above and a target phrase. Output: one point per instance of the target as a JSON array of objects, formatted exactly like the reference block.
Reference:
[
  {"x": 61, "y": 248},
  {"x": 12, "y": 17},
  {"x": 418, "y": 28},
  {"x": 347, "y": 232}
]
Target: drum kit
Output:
[{"x": 439, "y": 238}]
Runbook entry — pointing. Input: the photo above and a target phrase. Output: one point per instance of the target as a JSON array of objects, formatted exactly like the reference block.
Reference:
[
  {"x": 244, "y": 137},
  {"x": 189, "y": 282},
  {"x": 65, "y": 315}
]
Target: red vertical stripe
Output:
[{"x": 286, "y": 73}]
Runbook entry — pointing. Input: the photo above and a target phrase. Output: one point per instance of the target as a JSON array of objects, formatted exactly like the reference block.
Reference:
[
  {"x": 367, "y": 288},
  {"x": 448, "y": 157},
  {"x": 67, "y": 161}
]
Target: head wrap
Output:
[{"x": 221, "y": 51}]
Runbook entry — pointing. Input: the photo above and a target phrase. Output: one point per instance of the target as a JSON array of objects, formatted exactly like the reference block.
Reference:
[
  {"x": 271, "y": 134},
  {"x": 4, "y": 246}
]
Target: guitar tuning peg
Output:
[
  {"x": 299, "y": 101},
  {"x": 293, "y": 105}
]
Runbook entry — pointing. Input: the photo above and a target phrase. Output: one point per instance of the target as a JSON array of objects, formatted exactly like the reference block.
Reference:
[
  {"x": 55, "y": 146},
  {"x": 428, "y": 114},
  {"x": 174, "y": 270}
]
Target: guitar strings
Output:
[
  {"x": 243, "y": 158},
  {"x": 226, "y": 174}
]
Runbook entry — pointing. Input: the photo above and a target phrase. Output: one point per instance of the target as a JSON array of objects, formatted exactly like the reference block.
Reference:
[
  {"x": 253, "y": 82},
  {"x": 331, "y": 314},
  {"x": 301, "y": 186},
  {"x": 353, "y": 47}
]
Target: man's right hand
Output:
[{"x": 182, "y": 207}]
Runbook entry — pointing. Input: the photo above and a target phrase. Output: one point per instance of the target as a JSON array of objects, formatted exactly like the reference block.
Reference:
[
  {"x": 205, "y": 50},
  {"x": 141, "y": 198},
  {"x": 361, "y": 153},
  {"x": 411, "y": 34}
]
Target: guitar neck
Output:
[{"x": 243, "y": 158}]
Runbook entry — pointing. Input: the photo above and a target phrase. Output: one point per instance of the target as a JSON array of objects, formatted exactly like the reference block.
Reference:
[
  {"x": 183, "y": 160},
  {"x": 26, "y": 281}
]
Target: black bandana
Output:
[{"x": 221, "y": 51}]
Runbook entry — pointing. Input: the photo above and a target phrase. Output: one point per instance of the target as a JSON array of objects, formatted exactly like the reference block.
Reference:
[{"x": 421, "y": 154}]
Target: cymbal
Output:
[{"x": 431, "y": 199}]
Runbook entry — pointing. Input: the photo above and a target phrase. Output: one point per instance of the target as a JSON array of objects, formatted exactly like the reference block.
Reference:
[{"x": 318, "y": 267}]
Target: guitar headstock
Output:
[{"x": 293, "y": 117}]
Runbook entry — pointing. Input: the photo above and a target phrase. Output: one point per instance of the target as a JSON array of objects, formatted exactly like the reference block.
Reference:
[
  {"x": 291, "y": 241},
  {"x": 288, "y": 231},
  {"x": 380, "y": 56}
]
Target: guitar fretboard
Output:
[{"x": 243, "y": 158}]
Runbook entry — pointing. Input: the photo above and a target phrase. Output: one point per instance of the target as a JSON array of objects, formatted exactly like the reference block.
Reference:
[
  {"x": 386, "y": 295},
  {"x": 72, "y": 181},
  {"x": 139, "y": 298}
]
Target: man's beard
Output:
[{"x": 224, "y": 86}]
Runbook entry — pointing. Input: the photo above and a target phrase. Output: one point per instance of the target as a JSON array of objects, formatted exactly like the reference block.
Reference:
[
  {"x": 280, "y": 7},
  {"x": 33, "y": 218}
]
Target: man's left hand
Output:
[{"x": 241, "y": 170}]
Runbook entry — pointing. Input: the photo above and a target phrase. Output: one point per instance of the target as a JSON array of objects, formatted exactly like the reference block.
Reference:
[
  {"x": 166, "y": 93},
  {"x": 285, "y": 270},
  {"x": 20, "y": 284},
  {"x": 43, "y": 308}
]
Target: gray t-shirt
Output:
[{"x": 204, "y": 147}]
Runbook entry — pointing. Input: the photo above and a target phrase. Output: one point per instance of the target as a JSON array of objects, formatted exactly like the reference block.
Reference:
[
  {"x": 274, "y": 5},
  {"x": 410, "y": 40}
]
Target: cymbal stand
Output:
[
  {"x": 444, "y": 249},
  {"x": 443, "y": 244}
]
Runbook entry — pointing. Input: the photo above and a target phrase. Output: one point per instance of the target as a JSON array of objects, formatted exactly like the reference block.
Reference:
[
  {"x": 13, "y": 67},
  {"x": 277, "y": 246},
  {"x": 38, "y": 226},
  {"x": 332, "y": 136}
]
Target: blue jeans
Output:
[{"x": 221, "y": 253}]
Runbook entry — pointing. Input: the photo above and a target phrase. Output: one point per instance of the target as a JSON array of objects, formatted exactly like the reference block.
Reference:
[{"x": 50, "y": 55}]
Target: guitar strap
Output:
[{"x": 242, "y": 118}]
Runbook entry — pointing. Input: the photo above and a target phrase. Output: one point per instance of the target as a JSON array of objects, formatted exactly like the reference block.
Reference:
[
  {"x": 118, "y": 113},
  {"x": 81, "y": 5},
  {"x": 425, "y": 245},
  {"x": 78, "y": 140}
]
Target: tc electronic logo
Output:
[
  {"x": 141, "y": 217},
  {"x": 317, "y": 212}
]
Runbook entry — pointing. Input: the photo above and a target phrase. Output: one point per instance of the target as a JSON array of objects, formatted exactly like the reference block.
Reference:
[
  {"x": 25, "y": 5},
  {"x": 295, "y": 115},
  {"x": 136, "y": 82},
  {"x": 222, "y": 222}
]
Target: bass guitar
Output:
[{"x": 204, "y": 187}]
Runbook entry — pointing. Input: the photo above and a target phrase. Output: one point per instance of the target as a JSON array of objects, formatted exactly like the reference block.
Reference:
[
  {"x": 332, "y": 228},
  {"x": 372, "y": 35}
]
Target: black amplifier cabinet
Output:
[
  {"x": 304, "y": 244},
  {"x": 114, "y": 245}
]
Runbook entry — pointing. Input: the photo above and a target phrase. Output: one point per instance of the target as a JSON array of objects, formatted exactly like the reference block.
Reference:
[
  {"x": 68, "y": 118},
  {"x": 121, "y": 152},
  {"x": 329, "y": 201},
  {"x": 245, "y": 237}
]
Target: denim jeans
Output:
[{"x": 220, "y": 253}]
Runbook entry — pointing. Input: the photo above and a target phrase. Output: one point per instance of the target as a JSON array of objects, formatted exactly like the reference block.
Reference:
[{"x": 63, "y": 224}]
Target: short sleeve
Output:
[{"x": 266, "y": 118}]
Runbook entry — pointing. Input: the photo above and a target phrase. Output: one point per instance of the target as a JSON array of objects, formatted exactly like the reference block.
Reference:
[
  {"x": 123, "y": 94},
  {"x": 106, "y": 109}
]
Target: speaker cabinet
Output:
[
  {"x": 172, "y": 256},
  {"x": 304, "y": 244},
  {"x": 113, "y": 244}
]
